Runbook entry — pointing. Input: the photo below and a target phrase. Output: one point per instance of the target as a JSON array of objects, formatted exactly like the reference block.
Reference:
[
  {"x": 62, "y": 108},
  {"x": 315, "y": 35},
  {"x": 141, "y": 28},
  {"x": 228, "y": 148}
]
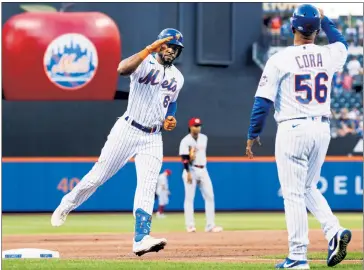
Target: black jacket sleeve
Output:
[{"x": 186, "y": 162}]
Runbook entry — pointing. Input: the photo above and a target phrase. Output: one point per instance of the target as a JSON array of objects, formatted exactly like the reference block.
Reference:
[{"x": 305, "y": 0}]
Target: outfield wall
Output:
[{"x": 37, "y": 185}]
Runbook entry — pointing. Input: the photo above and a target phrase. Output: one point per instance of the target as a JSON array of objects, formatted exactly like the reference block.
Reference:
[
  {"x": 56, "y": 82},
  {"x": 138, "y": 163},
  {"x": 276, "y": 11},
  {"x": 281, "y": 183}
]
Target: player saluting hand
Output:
[
  {"x": 154, "y": 88},
  {"x": 297, "y": 80}
]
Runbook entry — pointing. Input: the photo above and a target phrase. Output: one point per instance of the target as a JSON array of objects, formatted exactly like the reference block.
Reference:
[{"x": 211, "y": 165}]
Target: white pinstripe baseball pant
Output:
[
  {"x": 123, "y": 143},
  {"x": 300, "y": 151}
]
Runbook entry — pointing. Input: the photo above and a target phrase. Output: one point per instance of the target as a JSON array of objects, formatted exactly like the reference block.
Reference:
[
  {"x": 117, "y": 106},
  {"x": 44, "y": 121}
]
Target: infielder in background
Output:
[
  {"x": 154, "y": 88},
  {"x": 163, "y": 192},
  {"x": 298, "y": 81},
  {"x": 192, "y": 149}
]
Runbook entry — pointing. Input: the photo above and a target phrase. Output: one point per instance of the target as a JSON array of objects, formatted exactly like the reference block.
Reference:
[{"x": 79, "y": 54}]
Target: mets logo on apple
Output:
[{"x": 70, "y": 61}]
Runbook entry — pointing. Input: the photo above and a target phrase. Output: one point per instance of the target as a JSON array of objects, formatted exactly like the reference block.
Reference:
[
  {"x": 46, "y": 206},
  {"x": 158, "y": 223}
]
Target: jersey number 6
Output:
[
  {"x": 320, "y": 90},
  {"x": 166, "y": 101}
]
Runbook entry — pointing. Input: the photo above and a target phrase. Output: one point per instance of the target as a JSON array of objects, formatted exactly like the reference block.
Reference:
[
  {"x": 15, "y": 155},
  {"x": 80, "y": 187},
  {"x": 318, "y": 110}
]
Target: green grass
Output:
[
  {"x": 118, "y": 223},
  {"x": 111, "y": 265},
  {"x": 352, "y": 255}
]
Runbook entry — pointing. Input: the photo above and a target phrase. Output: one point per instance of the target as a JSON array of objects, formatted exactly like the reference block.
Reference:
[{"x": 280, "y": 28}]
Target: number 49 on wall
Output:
[{"x": 66, "y": 185}]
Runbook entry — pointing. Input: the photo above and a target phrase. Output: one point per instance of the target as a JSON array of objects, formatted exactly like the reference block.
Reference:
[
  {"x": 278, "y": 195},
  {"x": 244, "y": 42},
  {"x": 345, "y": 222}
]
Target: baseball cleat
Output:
[
  {"x": 191, "y": 229},
  {"x": 148, "y": 244},
  {"x": 215, "y": 229},
  {"x": 59, "y": 216},
  {"x": 337, "y": 247},
  {"x": 292, "y": 264}
]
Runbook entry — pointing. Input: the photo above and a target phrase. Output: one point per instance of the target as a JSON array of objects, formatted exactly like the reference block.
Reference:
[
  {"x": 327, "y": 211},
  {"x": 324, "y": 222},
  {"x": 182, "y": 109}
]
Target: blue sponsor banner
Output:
[{"x": 39, "y": 186}]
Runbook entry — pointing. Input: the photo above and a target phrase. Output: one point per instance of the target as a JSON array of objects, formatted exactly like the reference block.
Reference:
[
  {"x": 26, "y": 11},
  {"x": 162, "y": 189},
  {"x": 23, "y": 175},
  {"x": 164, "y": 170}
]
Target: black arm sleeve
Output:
[{"x": 186, "y": 162}]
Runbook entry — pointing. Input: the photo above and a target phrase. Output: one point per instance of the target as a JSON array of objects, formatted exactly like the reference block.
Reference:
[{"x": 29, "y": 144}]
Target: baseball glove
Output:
[
  {"x": 170, "y": 123},
  {"x": 192, "y": 153}
]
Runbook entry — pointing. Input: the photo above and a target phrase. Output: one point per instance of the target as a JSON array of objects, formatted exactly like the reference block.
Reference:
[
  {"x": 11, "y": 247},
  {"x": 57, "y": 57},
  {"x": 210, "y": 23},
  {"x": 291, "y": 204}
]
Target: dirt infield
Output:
[{"x": 232, "y": 246}]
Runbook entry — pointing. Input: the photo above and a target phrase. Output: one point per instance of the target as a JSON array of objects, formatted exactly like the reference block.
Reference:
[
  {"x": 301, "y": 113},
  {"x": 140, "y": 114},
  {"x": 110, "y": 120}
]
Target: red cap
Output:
[
  {"x": 194, "y": 122},
  {"x": 168, "y": 171}
]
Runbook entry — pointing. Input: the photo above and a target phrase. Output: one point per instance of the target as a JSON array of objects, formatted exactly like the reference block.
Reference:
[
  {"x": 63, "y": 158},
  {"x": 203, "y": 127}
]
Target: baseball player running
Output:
[
  {"x": 162, "y": 192},
  {"x": 192, "y": 149},
  {"x": 297, "y": 80},
  {"x": 154, "y": 88}
]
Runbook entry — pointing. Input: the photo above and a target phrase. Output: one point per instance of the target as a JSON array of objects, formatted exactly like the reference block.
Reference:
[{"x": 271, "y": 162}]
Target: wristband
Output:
[{"x": 144, "y": 53}]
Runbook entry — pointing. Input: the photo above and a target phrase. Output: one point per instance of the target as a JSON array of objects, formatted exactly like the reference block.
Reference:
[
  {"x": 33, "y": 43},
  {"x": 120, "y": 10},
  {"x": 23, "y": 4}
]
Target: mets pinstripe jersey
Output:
[
  {"x": 152, "y": 88},
  {"x": 298, "y": 79}
]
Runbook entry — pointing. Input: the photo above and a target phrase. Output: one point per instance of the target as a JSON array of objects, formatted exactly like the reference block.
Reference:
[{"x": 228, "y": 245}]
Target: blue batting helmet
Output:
[
  {"x": 306, "y": 19},
  {"x": 172, "y": 32}
]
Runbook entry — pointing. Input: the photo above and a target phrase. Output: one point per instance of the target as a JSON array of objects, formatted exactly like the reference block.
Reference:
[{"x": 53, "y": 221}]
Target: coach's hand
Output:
[
  {"x": 170, "y": 123},
  {"x": 249, "y": 145},
  {"x": 321, "y": 13}
]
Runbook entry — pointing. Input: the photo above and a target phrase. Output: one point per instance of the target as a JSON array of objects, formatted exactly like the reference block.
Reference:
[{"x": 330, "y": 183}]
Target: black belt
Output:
[
  {"x": 199, "y": 166},
  {"x": 141, "y": 127},
  {"x": 323, "y": 119}
]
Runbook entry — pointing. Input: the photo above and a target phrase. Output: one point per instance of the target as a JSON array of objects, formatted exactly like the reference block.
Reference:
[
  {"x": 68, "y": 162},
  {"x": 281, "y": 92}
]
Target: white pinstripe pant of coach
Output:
[
  {"x": 301, "y": 147},
  {"x": 123, "y": 143}
]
